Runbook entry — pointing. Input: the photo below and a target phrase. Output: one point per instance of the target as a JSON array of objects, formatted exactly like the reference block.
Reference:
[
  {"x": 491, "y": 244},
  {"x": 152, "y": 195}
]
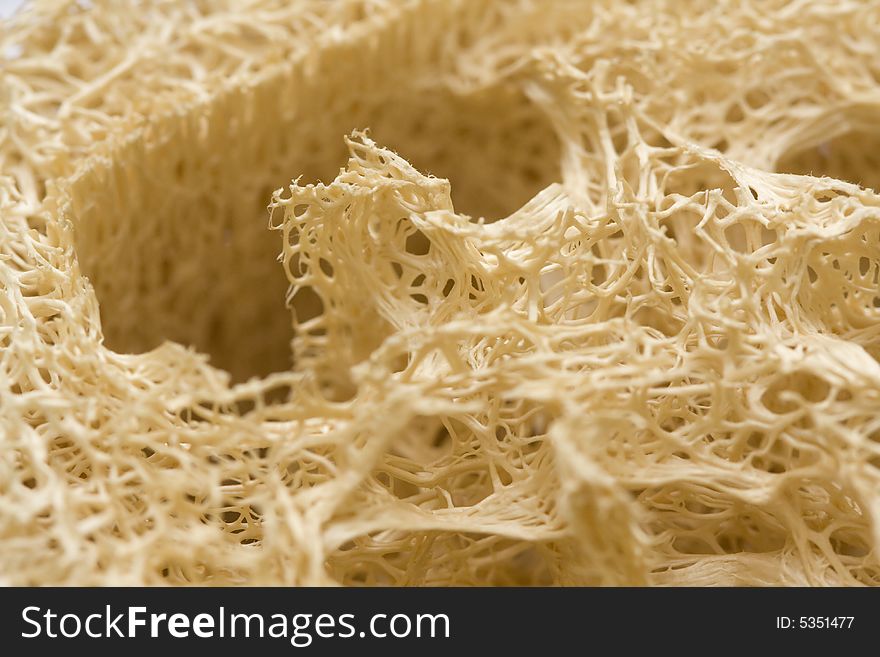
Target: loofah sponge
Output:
[{"x": 562, "y": 293}]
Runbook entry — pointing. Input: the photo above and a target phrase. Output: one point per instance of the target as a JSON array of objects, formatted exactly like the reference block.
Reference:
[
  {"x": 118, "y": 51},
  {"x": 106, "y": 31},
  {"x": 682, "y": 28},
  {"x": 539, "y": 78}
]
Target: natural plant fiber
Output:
[{"x": 595, "y": 300}]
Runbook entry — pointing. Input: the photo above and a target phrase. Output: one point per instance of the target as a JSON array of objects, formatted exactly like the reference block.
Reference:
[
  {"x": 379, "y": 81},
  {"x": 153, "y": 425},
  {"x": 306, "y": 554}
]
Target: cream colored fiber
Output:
[{"x": 562, "y": 292}]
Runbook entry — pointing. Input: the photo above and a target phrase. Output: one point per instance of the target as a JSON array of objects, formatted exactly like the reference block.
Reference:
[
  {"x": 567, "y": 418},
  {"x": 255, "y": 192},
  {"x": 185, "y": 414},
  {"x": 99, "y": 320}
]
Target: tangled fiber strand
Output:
[{"x": 568, "y": 293}]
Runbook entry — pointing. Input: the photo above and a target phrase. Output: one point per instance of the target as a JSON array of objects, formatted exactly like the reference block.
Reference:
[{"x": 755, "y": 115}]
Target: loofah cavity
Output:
[{"x": 561, "y": 293}]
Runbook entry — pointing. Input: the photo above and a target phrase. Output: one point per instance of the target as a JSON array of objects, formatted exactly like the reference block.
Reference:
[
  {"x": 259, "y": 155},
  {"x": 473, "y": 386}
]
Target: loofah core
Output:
[{"x": 440, "y": 292}]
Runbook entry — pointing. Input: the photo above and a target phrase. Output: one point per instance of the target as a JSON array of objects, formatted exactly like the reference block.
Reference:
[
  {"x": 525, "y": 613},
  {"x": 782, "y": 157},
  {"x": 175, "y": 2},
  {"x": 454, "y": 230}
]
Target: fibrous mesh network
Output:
[{"x": 561, "y": 293}]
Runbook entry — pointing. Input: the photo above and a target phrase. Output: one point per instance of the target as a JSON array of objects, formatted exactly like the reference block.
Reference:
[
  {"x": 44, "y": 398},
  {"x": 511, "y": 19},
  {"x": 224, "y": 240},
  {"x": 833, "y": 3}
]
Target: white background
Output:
[{"x": 8, "y": 7}]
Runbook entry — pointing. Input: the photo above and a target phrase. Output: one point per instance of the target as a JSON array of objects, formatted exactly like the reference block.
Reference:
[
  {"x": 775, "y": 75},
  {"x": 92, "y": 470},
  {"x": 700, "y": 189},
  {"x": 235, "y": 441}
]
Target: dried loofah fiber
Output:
[{"x": 562, "y": 293}]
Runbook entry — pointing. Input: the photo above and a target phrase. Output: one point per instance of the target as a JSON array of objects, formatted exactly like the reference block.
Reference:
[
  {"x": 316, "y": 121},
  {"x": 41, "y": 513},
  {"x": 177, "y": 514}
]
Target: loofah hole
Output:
[
  {"x": 495, "y": 147},
  {"x": 180, "y": 251},
  {"x": 853, "y": 157}
]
